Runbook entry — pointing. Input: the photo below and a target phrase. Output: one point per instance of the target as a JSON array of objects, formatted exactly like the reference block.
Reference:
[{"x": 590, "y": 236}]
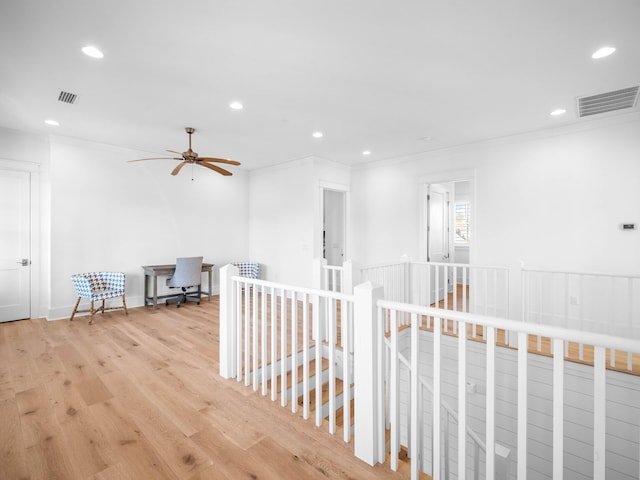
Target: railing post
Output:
[
  {"x": 319, "y": 283},
  {"x": 368, "y": 351},
  {"x": 349, "y": 276},
  {"x": 228, "y": 330}
]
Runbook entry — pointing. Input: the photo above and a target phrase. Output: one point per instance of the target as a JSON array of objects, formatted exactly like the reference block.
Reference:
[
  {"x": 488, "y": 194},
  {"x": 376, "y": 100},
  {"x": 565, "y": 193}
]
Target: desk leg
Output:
[
  {"x": 155, "y": 292},
  {"x": 210, "y": 283},
  {"x": 146, "y": 289}
]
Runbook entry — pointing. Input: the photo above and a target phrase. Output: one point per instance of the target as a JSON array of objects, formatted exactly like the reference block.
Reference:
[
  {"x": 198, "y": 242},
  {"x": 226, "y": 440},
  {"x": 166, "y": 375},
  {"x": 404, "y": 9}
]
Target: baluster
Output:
[
  {"x": 437, "y": 395},
  {"x": 318, "y": 376},
  {"x": 558, "y": 409},
  {"x": 414, "y": 386},
  {"x": 264, "y": 335},
  {"x": 394, "y": 389},
  {"x": 274, "y": 344},
  {"x": 239, "y": 329},
  {"x": 331, "y": 308},
  {"x": 283, "y": 348},
  {"x": 599, "y": 412},
  {"x": 305, "y": 355},
  {"x": 446, "y": 446},
  {"x": 491, "y": 402},
  {"x": 462, "y": 400},
  {"x": 253, "y": 292},
  {"x": 294, "y": 352},
  {"x": 345, "y": 318},
  {"x": 522, "y": 404},
  {"x": 247, "y": 336}
]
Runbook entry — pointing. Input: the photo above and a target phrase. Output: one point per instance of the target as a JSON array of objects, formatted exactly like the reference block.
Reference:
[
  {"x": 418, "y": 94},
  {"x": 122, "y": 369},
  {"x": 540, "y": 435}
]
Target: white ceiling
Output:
[{"x": 370, "y": 74}]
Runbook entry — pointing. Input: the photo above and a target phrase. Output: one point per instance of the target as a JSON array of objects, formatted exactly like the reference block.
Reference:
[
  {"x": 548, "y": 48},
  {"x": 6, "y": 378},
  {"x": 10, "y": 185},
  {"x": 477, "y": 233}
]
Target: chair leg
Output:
[
  {"x": 124, "y": 305},
  {"x": 92, "y": 313},
  {"x": 75, "y": 309}
]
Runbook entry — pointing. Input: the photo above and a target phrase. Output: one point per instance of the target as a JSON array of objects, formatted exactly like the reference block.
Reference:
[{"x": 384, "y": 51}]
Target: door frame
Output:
[
  {"x": 33, "y": 169},
  {"x": 336, "y": 187},
  {"x": 448, "y": 176}
]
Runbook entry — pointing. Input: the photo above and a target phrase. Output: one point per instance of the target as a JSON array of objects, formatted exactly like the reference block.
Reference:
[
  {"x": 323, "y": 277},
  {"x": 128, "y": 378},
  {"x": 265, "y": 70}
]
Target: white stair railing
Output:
[
  {"x": 430, "y": 351},
  {"x": 594, "y": 302},
  {"x": 268, "y": 332}
]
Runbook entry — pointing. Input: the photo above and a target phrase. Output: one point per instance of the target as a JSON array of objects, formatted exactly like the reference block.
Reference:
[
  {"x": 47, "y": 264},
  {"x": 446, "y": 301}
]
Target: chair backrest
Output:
[
  {"x": 188, "y": 272},
  {"x": 248, "y": 269}
]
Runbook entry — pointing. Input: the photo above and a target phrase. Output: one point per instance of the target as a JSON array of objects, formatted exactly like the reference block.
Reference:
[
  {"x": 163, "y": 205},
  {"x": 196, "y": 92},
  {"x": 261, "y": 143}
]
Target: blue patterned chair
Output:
[
  {"x": 248, "y": 269},
  {"x": 98, "y": 286}
]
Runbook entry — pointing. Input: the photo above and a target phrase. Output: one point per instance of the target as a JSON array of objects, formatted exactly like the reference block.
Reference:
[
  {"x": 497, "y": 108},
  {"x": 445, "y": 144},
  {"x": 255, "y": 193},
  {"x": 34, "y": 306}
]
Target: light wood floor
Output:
[{"x": 139, "y": 397}]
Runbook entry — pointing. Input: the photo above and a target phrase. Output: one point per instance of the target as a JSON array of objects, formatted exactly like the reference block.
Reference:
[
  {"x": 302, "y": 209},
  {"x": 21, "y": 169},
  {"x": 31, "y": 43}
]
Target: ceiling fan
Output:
[{"x": 192, "y": 157}]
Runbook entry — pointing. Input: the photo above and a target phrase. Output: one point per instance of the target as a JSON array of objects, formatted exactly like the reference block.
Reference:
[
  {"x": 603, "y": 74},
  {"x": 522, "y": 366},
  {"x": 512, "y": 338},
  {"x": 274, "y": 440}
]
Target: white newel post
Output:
[
  {"x": 319, "y": 283},
  {"x": 349, "y": 277},
  {"x": 227, "y": 322},
  {"x": 368, "y": 351}
]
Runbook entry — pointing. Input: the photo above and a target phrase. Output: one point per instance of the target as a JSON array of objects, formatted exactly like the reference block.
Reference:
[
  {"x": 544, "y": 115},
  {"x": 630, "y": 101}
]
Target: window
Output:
[{"x": 462, "y": 222}]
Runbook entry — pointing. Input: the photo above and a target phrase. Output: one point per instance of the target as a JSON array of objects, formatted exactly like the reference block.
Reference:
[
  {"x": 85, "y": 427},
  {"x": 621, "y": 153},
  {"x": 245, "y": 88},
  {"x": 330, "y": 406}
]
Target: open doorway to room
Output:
[
  {"x": 333, "y": 226},
  {"x": 446, "y": 238}
]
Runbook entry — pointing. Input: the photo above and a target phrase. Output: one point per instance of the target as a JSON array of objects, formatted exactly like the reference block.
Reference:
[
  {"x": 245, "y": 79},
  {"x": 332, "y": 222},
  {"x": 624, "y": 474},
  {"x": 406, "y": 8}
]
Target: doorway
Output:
[
  {"x": 15, "y": 245},
  {"x": 333, "y": 226}
]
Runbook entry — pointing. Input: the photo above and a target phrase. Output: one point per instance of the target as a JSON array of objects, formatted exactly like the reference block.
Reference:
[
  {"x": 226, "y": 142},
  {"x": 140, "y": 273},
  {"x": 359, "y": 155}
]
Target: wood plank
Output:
[
  {"x": 12, "y": 452},
  {"x": 183, "y": 457}
]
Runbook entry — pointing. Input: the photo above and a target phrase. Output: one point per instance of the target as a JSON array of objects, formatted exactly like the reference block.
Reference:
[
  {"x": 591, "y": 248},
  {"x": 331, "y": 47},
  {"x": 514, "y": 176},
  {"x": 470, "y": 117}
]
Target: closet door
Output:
[{"x": 15, "y": 241}]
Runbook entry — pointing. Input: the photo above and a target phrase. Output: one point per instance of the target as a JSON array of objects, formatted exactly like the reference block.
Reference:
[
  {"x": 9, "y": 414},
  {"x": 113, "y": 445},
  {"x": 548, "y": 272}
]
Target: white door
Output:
[
  {"x": 438, "y": 244},
  {"x": 15, "y": 233}
]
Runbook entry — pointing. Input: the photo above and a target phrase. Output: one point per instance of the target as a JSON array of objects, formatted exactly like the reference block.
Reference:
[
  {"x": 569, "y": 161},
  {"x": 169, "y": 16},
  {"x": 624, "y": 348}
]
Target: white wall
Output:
[
  {"x": 285, "y": 217},
  {"x": 552, "y": 199},
  {"x": 107, "y": 214}
]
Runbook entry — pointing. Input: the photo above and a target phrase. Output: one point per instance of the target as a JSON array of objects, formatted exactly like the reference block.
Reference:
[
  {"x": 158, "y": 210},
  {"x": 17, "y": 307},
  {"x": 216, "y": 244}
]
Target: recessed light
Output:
[
  {"x": 236, "y": 106},
  {"x": 603, "y": 52},
  {"x": 52, "y": 123},
  {"x": 558, "y": 111},
  {"x": 366, "y": 152},
  {"x": 92, "y": 52},
  {"x": 317, "y": 135}
]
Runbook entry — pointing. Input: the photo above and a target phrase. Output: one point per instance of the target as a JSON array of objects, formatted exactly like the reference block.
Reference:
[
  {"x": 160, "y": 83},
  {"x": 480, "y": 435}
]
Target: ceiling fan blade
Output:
[
  {"x": 219, "y": 160},
  {"x": 178, "y": 168},
  {"x": 156, "y": 158},
  {"x": 173, "y": 151},
  {"x": 221, "y": 171}
]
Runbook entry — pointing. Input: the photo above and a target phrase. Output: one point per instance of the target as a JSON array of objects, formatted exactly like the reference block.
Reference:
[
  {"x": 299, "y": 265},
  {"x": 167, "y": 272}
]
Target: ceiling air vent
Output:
[
  {"x": 608, "y": 102},
  {"x": 67, "y": 97}
]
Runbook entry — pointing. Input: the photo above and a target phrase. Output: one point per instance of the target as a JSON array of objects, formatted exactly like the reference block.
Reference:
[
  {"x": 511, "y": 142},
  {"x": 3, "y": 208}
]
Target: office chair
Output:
[
  {"x": 99, "y": 286},
  {"x": 188, "y": 274}
]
